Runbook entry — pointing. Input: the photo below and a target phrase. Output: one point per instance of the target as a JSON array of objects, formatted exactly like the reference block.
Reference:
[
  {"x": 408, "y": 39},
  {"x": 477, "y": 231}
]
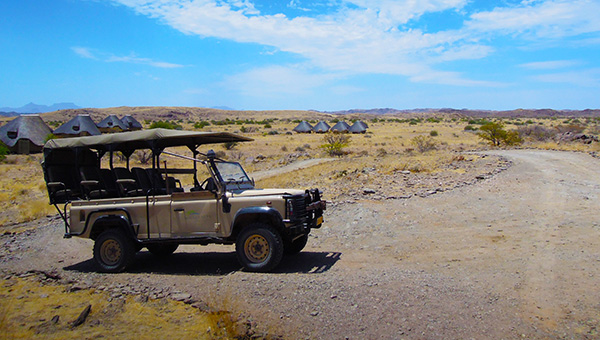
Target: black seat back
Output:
[
  {"x": 110, "y": 182},
  {"x": 129, "y": 187},
  {"x": 143, "y": 179},
  {"x": 92, "y": 184},
  {"x": 62, "y": 183}
]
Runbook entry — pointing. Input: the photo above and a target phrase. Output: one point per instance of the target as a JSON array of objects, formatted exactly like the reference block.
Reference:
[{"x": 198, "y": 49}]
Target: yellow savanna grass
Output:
[{"x": 27, "y": 308}]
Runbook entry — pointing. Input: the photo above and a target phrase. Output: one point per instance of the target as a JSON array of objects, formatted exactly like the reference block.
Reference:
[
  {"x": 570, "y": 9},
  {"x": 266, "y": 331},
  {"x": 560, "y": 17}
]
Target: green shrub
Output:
[
  {"x": 165, "y": 125},
  {"x": 334, "y": 143},
  {"x": 201, "y": 124},
  {"x": 3, "y": 151},
  {"x": 433, "y": 133}
]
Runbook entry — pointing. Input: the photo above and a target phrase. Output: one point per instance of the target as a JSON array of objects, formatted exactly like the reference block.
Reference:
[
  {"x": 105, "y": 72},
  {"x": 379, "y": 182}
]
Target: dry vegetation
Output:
[
  {"x": 391, "y": 146},
  {"x": 31, "y": 308},
  {"x": 23, "y": 194}
]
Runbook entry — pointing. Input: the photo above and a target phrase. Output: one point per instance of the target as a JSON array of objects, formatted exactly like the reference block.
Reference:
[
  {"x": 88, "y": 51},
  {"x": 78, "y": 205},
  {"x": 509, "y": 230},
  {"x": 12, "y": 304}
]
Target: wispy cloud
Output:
[
  {"x": 586, "y": 78},
  {"x": 89, "y": 53},
  {"x": 550, "y": 65},
  {"x": 83, "y": 52},
  {"x": 367, "y": 36},
  {"x": 278, "y": 81},
  {"x": 552, "y": 19}
]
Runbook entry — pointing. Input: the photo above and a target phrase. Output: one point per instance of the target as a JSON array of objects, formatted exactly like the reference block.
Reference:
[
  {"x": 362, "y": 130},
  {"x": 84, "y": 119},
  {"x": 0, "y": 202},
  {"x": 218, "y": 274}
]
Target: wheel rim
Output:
[
  {"x": 256, "y": 248},
  {"x": 110, "y": 252}
]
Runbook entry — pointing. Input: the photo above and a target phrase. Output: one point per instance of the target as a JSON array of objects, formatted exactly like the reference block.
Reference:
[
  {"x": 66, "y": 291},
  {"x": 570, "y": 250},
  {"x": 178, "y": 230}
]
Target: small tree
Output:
[
  {"x": 230, "y": 145},
  {"x": 495, "y": 134},
  {"x": 334, "y": 143},
  {"x": 424, "y": 143}
]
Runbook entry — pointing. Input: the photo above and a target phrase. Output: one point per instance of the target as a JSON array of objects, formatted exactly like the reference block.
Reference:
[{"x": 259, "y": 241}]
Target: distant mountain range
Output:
[
  {"x": 477, "y": 113},
  {"x": 36, "y": 108}
]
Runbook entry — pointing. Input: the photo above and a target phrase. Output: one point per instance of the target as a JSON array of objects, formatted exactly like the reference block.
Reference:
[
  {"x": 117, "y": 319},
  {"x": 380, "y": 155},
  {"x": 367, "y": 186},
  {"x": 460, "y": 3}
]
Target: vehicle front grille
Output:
[{"x": 296, "y": 208}]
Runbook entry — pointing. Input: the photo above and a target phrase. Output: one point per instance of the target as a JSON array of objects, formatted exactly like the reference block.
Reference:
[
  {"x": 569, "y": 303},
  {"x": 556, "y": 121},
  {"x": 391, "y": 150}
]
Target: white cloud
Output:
[
  {"x": 145, "y": 61},
  {"x": 86, "y": 52},
  {"x": 367, "y": 36},
  {"x": 83, "y": 52},
  {"x": 277, "y": 81},
  {"x": 541, "y": 19},
  {"x": 364, "y": 39},
  {"x": 550, "y": 65},
  {"x": 586, "y": 78}
]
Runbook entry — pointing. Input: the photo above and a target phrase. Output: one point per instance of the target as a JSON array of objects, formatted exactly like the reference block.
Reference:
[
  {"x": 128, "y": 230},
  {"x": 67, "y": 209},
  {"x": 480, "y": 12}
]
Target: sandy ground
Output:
[{"x": 516, "y": 255}]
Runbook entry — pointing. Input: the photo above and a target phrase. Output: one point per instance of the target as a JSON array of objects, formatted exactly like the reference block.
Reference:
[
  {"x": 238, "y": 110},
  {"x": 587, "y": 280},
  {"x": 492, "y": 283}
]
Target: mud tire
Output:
[
  {"x": 113, "y": 251},
  {"x": 296, "y": 246},
  {"x": 259, "y": 248}
]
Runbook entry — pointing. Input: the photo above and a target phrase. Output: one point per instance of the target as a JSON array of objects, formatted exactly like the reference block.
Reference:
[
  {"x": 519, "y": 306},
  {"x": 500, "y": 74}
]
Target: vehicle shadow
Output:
[{"x": 216, "y": 263}]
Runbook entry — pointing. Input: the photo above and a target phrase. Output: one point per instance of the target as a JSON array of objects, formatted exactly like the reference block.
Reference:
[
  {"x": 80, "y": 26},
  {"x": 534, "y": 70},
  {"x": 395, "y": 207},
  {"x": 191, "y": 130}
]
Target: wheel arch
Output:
[
  {"x": 251, "y": 215},
  {"x": 103, "y": 220}
]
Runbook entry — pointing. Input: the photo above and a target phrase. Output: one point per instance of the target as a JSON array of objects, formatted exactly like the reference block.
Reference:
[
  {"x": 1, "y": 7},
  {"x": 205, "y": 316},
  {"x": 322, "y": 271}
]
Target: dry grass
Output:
[
  {"x": 386, "y": 146},
  {"x": 28, "y": 306},
  {"x": 23, "y": 195}
]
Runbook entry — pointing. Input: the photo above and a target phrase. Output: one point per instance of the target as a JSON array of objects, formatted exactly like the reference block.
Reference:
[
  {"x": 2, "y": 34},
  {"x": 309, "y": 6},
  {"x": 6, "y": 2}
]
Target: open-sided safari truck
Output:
[{"x": 126, "y": 209}]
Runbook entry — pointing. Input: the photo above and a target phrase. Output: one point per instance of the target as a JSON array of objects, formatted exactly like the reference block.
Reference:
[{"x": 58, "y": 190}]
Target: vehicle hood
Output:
[{"x": 266, "y": 192}]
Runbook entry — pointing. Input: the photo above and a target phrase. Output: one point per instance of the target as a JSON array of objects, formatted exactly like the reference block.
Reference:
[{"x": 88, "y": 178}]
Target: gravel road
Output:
[{"x": 516, "y": 255}]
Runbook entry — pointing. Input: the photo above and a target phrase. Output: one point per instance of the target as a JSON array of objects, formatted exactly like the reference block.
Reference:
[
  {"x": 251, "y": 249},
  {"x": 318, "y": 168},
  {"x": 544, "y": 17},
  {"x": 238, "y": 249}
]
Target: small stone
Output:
[
  {"x": 181, "y": 296},
  {"x": 315, "y": 313}
]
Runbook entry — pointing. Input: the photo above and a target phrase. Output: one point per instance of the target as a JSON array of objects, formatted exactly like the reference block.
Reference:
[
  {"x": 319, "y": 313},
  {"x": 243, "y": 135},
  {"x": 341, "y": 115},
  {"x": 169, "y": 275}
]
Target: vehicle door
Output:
[{"x": 194, "y": 214}]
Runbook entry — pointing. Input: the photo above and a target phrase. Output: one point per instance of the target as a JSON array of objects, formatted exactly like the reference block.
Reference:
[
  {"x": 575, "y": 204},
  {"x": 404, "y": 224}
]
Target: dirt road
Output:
[{"x": 516, "y": 255}]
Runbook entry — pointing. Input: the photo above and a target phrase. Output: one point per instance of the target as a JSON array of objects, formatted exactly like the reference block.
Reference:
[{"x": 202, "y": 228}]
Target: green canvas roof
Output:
[{"x": 145, "y": 139}]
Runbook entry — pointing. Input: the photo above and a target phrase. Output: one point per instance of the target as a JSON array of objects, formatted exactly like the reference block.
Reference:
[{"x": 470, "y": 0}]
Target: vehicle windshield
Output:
[{"x": 234, "y": 176}]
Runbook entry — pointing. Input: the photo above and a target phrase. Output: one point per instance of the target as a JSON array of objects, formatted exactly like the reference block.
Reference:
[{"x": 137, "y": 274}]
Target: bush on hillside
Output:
[
  {"x": 424, "y": 143},
  {"x": 334, "y": 143}
]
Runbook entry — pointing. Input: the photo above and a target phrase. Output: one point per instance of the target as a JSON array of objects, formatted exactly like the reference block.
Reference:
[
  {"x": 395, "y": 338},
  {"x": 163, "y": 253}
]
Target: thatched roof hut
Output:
[
  {"x": 321, "y": 127},
  {"x": 358, "y": 127},
  {"x": 25, "y": 134},
  {"x": 340, "y": 127},
  {"x": 303, "y": 127},
  {"x": 111, "y": 123},
  {"x": 80, "y": 125},
  {"x": 131, "y": 123}
]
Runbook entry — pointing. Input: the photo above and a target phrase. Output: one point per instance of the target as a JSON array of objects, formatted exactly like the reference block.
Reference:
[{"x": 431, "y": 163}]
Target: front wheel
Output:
[
  {"x": 113, "y": 251},
  {"x": 259, "y": 247}
]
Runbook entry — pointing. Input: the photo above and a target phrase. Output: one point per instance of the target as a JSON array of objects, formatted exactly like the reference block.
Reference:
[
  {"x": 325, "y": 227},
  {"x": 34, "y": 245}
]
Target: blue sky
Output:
[{"x": 302, "y": 54}]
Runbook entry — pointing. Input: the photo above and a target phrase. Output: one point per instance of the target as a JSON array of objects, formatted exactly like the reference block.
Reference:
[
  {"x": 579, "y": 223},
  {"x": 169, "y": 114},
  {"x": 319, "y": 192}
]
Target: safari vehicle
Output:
[{"x": 125, "y": 209}]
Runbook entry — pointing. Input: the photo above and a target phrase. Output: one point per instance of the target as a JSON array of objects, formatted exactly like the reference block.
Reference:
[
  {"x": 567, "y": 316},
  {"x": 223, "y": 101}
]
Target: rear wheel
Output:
[
  {"x": 296, "y": 246},
  {"x": 259, "y": 247},
  {"x": 162, "y": 250},
  {"x": 113, "y": 251}
]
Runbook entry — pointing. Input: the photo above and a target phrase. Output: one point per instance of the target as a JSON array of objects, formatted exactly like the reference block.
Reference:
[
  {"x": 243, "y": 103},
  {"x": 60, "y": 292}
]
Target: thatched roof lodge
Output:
[
  {"x": 303, "y": 127},
  {"x": 25, "y": 134},
  {"x": 131, "y": 123},
  {"x": 340, "y": 127},
  {"x": 358, "y": 127},
  {"x": 321, "y": 127},
  {"x": 111, "y": 123},
  {"x": 80, "y": 125}
]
